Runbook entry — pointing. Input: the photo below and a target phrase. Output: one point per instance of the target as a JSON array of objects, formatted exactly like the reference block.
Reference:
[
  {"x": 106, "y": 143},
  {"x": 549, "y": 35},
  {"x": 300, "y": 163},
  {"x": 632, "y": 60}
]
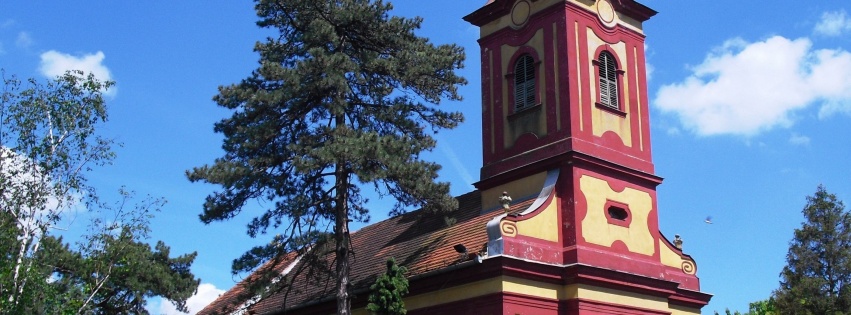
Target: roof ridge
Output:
[{"x": 388, "y": 219}]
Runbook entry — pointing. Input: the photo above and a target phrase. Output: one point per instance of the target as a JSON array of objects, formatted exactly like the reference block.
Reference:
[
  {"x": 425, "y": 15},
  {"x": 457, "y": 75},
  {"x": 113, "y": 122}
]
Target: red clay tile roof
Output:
[{"x": 419, "y": 240}]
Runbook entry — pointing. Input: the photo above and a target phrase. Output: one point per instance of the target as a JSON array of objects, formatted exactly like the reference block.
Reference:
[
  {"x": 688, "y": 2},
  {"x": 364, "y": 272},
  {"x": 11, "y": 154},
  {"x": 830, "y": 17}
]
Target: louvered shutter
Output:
[
  {"x": 524, "y": 82},
  {"x": 608, "y": 80}
]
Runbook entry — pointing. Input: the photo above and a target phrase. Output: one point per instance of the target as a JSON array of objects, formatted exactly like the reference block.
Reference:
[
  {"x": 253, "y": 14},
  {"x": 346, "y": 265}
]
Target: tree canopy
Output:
[
  {"x": 763, "y": 307},
  {"x": 344, "y": 98},
  {"x": 817, "y": 277},
  {"x": 48, "y": 145}
]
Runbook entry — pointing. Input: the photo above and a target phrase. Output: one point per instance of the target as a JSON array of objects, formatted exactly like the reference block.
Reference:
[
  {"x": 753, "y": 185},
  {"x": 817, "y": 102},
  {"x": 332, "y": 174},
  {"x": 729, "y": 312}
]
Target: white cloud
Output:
[
  {"x": 206, "y": 294},
  {"x": 797, "y": 139},
  {"x": 648, "y": 67},
  {"x": 745, "y": 88},
  {"x": 24, "y": 180},
  {"x": 24, "y": 40},
  {"x": 673, "y": 131},
  {"x": 833, "y": 24},
  {"x": 54, "y": 63}
]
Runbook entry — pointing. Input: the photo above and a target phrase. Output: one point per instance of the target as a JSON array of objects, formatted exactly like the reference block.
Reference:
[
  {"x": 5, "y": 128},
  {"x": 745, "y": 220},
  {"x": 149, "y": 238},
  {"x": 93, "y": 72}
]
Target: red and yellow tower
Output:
[{"x": 566, "y": 126}]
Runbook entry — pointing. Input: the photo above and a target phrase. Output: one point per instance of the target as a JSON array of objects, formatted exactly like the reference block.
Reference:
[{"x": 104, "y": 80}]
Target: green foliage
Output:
[
  {"x": 764, "y": 307},
  {"x": 817, "y": 277},
  {"x": 48, "y": 144},
  {"x": 388, "y": 290},
  {"x": 345, "y": 98},
  {"x": 112, "y": 270},
  {"x": 117, "y": 266}
]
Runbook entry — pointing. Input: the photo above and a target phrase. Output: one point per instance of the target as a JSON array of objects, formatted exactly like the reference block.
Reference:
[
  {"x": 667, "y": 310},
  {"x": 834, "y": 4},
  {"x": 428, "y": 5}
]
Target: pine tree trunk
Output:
[{"x": 341, "y": 233}]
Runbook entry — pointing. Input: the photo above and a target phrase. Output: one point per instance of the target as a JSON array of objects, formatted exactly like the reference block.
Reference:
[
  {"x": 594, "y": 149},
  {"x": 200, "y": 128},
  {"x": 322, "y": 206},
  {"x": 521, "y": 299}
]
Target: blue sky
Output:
[{"x": 751, "y": 105}]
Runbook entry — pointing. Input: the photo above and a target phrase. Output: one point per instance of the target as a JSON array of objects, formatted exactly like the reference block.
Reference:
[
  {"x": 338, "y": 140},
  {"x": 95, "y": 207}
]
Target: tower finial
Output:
[
  {"x": 678, "y": 242},
  {"x": 505, "y": 200}
]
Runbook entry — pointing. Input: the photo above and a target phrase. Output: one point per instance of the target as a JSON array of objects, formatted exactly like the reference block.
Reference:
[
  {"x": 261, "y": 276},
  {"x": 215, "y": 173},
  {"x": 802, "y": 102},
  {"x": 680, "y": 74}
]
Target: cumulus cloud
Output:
[
  {"x": 206, "y": 294},
  {"x": 54, "y": 63},
  {"x": 745, "y": 88},
  {"x": 833, "y": 24},
  {"x": 24, "y": 40}
]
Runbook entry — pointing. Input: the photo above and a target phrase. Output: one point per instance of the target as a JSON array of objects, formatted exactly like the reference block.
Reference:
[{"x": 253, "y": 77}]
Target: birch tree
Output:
[{"x": 48, "y": 146}]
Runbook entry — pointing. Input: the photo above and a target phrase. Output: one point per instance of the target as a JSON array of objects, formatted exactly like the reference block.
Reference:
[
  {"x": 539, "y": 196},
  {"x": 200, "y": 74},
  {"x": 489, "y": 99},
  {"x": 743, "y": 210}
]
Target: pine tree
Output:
[
  {"x": 386, "y": 294},
  {"x": 344, "y": 98},
  {"x": 817, "y": 278}
]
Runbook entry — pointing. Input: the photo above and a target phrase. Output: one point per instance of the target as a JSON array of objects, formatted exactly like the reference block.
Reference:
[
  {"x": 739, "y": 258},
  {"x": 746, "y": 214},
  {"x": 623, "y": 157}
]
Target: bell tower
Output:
[
  {"x": 560, "y": 77},
  {"x": 566, "y": 133}
]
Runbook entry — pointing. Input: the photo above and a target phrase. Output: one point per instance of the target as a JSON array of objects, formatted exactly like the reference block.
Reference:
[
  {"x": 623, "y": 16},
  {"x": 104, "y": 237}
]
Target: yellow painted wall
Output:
[
  {"x": 682, "y": 310},
  {"x": 453, "y": 294},
  {"x": 595, "y": 293},
  {"x": 620, "y": 19},
  {"x": 505, "y": 21},
  {"x": 668, "y": 256},
  {"x": 596, "y": 228},
  {"x": 672, "y": 259},
  {"x": 542, "y": 290},
  {"x": 539, "y": 5},
  {"x": 543, "y": 226},
  {"x": 519, "y": 189}
]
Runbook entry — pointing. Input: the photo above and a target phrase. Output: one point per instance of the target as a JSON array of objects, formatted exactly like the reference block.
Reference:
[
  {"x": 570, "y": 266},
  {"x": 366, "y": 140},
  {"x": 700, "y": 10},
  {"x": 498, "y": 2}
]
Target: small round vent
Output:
[{"x": 618, "y": 213}]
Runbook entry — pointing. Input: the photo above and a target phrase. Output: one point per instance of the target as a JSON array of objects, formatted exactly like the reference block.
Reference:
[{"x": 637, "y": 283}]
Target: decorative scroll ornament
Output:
[
  {"x": 509, "y": 229},
  {"x": 688, "y": 267}
]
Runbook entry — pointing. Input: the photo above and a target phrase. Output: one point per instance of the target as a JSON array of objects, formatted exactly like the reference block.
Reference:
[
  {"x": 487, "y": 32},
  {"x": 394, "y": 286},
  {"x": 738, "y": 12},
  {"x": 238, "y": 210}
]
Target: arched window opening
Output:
[
  {"x": 524, "y": 82},
  {"x": 608, "y": 80}
]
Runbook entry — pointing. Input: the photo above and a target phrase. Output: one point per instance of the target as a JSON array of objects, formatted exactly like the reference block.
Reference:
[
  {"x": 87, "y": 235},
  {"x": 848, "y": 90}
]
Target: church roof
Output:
[{"x": 419, "y": 240}]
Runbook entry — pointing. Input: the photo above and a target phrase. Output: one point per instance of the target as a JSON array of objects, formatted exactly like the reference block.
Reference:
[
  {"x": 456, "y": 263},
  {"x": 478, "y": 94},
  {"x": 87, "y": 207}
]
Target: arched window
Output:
[
  {"x": 524, "y": 82},
  {"x": 608, "y": 80}
]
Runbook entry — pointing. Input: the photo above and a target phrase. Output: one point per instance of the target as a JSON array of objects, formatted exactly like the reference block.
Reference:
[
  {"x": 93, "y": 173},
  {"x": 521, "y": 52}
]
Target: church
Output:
[{"x": 564, "y": 218}]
